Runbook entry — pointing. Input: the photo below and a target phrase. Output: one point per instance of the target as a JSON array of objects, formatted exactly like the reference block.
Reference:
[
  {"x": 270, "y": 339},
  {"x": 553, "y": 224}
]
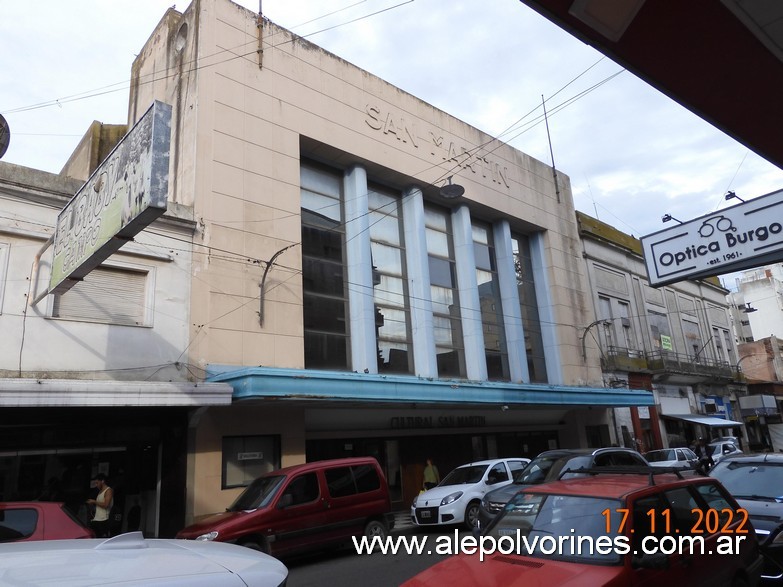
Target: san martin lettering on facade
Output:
[
  {"x": 399, "y": 422},
  {"x": 462, "y": 156}
]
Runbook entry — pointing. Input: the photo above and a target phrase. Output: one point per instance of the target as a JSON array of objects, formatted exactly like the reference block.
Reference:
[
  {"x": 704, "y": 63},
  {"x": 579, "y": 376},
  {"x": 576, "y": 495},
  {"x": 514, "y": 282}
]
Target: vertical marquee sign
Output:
[
  {"x": 740, "y": 237},
  {"x": 125, "y": 194}
]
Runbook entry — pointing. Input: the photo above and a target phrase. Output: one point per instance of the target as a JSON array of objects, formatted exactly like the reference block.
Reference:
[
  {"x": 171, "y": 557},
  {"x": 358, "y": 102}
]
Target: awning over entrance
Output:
[
  {"x": 299, "y": 384},
  {"x": 20, "y": 393},
  {"x": 710, "y": 421}
]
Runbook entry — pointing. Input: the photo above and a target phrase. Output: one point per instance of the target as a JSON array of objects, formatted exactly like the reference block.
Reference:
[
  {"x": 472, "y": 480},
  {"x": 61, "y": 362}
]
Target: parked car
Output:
[
  {"x": 721, "y": 449},
  {"x": 756, "y": 482},
  {"x": 609, "y": 507},
  {"x": 680, "y": 458},
  {"x": 131, "y": 561},
  {"x": 304, "y": 507},
  {"x": 455, "y": 500},
  {"x": 548, "y": 466},
  {"x": 39, "y": 520}
]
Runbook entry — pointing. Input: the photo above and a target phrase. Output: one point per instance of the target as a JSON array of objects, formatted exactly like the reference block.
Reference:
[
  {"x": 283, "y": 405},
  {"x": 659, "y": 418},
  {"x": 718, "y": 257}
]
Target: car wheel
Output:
[
  {"x": 375, "y": 528},
  {"x": 471, "y": 515},
  {"x": 259, "y": 545}
]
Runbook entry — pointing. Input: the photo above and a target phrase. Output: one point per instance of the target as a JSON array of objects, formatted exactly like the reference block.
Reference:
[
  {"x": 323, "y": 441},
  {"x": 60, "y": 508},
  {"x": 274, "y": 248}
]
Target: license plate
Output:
[{"x": 425, "y": 514}]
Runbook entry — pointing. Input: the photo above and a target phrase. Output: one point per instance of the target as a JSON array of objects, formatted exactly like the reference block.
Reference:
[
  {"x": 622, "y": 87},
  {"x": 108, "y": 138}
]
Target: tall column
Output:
[
  {"x": 425, "y": 359},
  {"x": 470, "y": 304},
  {"x": 364, "y": 353}
]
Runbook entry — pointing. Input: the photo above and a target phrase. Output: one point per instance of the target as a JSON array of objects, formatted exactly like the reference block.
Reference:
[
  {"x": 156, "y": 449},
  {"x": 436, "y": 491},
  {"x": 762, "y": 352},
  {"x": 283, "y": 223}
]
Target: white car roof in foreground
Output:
[{"x": 130, "y": 560}]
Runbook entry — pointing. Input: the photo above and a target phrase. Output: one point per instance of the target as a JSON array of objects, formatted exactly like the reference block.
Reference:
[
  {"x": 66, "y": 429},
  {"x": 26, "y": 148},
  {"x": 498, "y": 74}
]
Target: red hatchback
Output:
[
  {"x": 610, "y": 529},
  {"x": 39, "y": 520}
]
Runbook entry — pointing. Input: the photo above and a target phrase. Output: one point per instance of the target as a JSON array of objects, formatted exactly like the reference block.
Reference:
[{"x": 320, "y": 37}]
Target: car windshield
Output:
[
  {"x": 759, "y": 480},
  {"x": 463, "y": 475},
  {"x": 258, "y": 494},
  {"x": 572, "y": 524},
  {"x": 657, "y": 456}
]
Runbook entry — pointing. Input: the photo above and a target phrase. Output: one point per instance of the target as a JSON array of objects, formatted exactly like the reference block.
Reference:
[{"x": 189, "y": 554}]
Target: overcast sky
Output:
[{"x": 632, "y": 154}]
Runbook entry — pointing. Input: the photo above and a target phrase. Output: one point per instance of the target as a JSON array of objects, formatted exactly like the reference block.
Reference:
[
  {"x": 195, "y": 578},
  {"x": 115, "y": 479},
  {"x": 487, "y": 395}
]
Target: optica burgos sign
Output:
[
  {"x": 127, "y": 192},
  {"x": 740, "y": 237}
]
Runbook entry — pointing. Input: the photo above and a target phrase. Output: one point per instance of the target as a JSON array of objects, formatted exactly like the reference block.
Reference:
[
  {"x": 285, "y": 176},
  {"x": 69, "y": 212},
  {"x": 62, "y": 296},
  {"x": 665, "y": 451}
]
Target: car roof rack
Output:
[{"x": 651, "y": 472}]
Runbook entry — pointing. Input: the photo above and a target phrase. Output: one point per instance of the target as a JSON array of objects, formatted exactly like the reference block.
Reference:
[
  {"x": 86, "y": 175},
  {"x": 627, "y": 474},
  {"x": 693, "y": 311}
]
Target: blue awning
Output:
[{"x": 254, "y": 383}]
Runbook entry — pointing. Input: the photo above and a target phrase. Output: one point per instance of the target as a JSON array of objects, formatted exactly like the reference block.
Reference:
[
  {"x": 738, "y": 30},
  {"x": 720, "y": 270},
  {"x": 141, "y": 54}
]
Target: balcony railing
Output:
[
  {"x": 667, "y": 361},
  {"x": 659, "y": 362}
]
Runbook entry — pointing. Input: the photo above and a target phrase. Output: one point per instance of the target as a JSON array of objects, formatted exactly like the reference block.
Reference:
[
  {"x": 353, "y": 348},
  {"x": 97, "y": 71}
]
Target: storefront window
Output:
[{"x": 247, "y": 457}]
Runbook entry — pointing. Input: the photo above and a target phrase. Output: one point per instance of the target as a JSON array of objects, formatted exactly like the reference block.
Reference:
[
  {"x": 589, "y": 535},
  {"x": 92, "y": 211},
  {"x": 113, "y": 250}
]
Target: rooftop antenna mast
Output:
[
  {"x": 260, "y": 27},
  {"x": 551, "y": 153}
]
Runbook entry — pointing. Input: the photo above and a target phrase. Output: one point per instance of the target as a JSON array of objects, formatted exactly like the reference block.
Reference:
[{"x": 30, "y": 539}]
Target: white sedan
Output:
[
  {"x": 131, "y": 561},
  {"x": 723, "y": 448},
  {"x": 456, "y": 499},
  {"x": 680, "y": 458}
]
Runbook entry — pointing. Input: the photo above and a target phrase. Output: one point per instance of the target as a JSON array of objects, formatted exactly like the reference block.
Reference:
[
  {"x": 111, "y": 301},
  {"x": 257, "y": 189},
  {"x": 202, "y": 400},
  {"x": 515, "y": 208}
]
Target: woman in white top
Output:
[{"x": 103, "y": 501}]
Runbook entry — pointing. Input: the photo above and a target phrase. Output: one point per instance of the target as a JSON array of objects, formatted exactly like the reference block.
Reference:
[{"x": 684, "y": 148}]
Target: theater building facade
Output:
[{"x": 371, "y": 275}]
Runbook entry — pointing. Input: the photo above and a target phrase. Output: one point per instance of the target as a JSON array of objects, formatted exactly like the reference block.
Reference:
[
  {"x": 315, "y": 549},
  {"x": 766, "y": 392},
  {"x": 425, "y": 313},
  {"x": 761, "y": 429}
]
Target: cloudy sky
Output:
[{"x": 632, "y": 154}]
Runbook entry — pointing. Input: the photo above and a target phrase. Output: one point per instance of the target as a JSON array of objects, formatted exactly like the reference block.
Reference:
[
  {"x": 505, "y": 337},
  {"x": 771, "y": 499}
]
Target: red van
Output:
[{"x": 304, "y": 507}]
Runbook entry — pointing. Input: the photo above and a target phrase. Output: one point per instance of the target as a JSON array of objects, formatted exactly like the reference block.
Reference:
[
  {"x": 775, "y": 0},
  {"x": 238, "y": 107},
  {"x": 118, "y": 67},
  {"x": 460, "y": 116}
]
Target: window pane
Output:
[
  {"x": 340, "y": 482},
  {"x": 325, "y": 351},
  {"x": 440, "y": 272},
  {"x": 393, "y": 357},
  {"x": 436, "y": 219},
  {"x": 390, "y": 292},
  {"x": 366, "y": 478},
  {"x": 322, "y": 243},
  {"x": 246, "y": 458},
  {"x": 324, "y": 314},
  {"x": 320, "y": 180},
  {"x": 321, "y": 206},
  {"x": 442, "y": 299},
  {"x": 324, "y": 277},
  {"x": 394, "y": 325},
  {"x": 528, "y": 305},
  {"x": 384, "y": 228},
  {"x": 438, "y": 243},
  {"x": 386, "y": 259},
  {"x": 106, "y": 295}
]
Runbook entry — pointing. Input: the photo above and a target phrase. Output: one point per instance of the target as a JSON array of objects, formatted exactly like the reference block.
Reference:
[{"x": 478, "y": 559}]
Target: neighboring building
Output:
[
  {"x": 95, "y": 379},
  {"x": 353, "y": 308},
  {"x": 761, "y": 362},
  {"x": 675, "y": 341},
  {"x": 757, "y": 305}
]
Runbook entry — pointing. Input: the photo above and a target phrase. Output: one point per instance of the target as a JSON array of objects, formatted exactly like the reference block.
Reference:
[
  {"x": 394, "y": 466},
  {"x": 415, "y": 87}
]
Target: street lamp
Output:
[
  {"x": 603, "y": 321},
  {"x": 668, "y": 217}
]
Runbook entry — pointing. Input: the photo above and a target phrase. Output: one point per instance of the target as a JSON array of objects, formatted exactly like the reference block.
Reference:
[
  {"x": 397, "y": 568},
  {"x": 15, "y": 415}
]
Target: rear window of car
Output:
[
  {"x": 657, "y": 456},
  {"x": 17, "y": 524},
  {"x": 345, "y": 481}
]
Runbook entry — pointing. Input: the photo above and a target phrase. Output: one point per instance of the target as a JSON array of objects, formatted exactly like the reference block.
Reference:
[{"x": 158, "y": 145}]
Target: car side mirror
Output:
[
  {"x": 656, "y": 560},
  {"x": 285, "y": 501}
]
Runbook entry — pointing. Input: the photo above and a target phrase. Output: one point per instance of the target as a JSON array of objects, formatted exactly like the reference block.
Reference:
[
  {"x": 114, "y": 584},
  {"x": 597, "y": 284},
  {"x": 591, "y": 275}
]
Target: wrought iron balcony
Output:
[
  {"x": 621, "y": 359},
  {"x": 670, "y": 364}
]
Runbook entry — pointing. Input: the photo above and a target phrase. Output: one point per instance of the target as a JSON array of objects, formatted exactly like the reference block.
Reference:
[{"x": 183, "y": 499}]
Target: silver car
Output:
[{"x": 132, "y": 561}]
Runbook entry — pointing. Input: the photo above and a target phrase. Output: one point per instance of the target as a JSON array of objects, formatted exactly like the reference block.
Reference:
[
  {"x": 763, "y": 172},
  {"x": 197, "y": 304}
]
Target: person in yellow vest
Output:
[
  {"x": 431, "y": 475},
  {"x": 103, "y": 502}
]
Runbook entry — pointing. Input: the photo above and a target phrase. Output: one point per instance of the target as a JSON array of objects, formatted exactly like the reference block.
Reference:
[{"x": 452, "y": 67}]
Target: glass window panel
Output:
[
  {"x": 438, "y": 243},
  {"x": 321, "y": 205},
  {"x": 394, "y": 324},
  {"x": 528, "y": 303},
  {"x": 386, "y": 259},
  {"x": 440, "y": 272},
  {"x": 446, "y": 331},
  {"x": 325, "y": 244},
  {"x": 324, "y": 314},
  {"x": 390, "y": 292},
  {"x": 320, "y": 180},
  {"x": 482, "y": 254},
  {"x": 450, "y": 362},
  {"x": 480, "y": 235},
  {"x": 436, "y": 219},
  {"x": 319, "y": 276},
  {"x": 384, "y": 228},
  {"x": 442, "y": 299},
  {"x": 483, "y": 278},
  {"x": 394, "y": 358},
  {"x": 325, "y": 351},
  {"x": 385, "y": 203}
]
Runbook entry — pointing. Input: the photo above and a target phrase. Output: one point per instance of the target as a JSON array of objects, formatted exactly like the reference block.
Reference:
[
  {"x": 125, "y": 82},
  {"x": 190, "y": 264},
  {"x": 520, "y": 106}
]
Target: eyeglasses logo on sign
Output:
[{"x": 743, "y": 236}]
